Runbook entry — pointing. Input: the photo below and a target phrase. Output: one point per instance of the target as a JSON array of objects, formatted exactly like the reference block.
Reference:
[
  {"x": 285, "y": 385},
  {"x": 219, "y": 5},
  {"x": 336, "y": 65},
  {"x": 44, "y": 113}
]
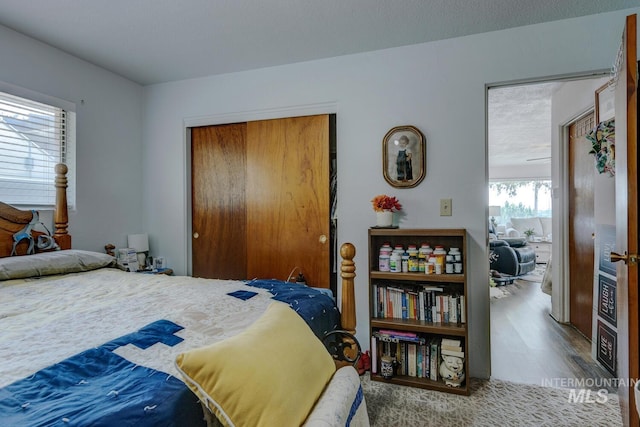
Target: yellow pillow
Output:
[{"x": 272, "y": 373}]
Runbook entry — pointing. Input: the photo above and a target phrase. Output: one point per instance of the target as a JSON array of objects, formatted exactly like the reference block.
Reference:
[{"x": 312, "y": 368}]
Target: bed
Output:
[{"x": 85, "y": 343}]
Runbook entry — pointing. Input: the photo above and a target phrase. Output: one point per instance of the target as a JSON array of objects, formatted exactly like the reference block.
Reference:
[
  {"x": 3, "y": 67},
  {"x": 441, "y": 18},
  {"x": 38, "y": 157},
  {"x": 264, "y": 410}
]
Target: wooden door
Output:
[
  {"x": 288, "y": 228},
  {"x": 218, "y": 155},
  {"x": 581, "y": 225},
  {"x": 626, "y": 152}
]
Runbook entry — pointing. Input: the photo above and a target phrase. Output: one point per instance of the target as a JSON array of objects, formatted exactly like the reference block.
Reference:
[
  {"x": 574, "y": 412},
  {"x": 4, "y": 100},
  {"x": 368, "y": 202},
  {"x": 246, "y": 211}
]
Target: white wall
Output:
[
  {"x": 108, "y": 134},
  {"x": 438, "y": 87}
]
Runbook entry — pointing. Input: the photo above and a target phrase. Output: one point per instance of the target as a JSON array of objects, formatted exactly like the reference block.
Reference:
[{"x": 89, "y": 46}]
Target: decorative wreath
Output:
[{"x": 603, "y": 144}]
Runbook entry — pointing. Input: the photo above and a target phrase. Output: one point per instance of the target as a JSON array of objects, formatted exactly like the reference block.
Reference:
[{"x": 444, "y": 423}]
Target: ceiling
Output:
[
  {"x": 156, "y": 41},
  {"x": 519, "y": 128}
]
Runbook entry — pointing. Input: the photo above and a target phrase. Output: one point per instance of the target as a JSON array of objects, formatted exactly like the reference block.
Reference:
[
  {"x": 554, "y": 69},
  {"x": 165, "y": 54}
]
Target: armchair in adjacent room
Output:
[{"x": 510, "y": 256}]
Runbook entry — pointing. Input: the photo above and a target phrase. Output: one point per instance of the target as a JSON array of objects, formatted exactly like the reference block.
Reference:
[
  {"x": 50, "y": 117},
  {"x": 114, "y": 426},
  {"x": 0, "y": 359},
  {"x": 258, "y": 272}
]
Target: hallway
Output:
[{"x": 529, "y": 346}]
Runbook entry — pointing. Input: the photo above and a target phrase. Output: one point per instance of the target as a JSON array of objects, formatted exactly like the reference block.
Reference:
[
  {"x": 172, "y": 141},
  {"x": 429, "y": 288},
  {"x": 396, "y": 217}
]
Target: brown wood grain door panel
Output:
[
  {"x": 581, "y": 225},
  {"x": 285, "y": 228},
  {"x": 218, "y": 162},
  {"x": 626, "y": 152}
]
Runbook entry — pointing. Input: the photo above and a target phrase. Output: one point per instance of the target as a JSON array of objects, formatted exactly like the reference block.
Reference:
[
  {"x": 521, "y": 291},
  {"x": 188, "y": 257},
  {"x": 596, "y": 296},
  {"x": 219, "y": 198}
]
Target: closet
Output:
[{"x": 262, "y": 199}]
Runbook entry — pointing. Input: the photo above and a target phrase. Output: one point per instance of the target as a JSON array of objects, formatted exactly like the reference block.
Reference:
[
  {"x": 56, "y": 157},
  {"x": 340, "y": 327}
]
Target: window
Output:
[
  {"x": 520, "y": 198},
  {"x": 34, "y": 137}
]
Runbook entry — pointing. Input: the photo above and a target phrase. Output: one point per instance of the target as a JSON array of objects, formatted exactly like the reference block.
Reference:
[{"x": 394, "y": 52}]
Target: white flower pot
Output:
[{"x": 384, "y": 219}]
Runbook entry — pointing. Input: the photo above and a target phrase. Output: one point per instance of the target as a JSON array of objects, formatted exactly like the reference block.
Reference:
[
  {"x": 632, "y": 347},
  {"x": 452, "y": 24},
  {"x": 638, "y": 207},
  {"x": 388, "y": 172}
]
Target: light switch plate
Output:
[{"x": 445, "y": 207}]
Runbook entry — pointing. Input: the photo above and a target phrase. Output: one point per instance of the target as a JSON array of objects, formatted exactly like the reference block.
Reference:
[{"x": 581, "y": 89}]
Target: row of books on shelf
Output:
[
  {"x": 427, "y": 303},
  {"x": 416, "y": 356}
]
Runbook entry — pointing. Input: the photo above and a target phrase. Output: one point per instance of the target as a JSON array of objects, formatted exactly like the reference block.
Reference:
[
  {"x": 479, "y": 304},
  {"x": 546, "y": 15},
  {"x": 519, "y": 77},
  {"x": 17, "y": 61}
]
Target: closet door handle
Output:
[
  {"x": 196, "y": 235},
  {"x": 322, "y": 239}
]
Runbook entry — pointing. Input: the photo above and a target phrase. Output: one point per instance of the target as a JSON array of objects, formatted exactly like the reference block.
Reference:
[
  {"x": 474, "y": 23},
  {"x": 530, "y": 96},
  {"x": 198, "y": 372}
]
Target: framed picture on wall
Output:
[
  {"x": 605, "y": 103},
  {"x": 404, "y": 157}
]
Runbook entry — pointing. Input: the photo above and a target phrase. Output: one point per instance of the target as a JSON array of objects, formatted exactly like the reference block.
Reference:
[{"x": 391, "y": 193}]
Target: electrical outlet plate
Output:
[{"x": 445, "y": 207}]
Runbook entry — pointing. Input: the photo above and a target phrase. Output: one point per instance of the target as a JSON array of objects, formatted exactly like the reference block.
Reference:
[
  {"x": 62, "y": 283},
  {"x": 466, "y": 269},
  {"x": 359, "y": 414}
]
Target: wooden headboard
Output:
[{"x": 14, "y": 220}]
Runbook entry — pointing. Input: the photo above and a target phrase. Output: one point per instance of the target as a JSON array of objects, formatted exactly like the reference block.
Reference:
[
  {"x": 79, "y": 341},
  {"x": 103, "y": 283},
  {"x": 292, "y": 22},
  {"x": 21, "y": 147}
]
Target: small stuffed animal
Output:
[{"x": 452, "y": 370}]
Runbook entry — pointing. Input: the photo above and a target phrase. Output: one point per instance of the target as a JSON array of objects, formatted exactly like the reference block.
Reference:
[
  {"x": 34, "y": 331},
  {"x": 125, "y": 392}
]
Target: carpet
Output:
[{"x": 491, "y": 403}]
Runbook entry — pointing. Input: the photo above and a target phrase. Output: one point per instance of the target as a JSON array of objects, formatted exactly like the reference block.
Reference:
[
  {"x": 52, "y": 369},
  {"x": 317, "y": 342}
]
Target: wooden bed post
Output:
[
  {"x": 60, "y": 215},
  {"x": 348, "y": 272}
]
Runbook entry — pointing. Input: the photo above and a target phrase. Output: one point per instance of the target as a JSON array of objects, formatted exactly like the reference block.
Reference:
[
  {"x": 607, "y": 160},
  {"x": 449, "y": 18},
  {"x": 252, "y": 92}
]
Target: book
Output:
[
  {"x": 444, "y": 351},
  {"x": 450, "y": 344},
  {"x": 374, "y": 299},
  {"x": 393, "y": 338},
  {"x": 427, "y": 362},
  {"x": 411, "y": 360},
  {"x": 397, "y": 333},
  {"x": 453, "y": 308},
  {"x": 374, "y": 355},
  {"x": 434, "y": 359},
  {"x": 445, "y": 309}
]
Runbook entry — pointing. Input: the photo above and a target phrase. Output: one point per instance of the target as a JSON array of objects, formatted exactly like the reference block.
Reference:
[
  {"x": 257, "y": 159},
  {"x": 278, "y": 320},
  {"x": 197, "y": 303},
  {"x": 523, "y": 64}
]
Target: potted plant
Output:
[
  {"x": 529, "y": 233},
  {"x": 384, "y": 206}
]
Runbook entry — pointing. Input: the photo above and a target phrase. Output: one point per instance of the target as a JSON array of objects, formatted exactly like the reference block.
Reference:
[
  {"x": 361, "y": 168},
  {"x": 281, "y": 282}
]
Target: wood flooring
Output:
[{"x": 529, "y": 346}]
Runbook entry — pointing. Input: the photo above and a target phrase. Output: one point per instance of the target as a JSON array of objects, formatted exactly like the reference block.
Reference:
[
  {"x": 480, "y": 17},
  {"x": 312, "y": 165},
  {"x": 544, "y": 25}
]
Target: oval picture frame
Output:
[{"x": 404, "y": 156}]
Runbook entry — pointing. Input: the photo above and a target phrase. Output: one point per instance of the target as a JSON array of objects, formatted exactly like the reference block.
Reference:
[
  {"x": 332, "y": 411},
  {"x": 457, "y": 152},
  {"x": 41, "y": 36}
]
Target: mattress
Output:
[{"x": 145, "y": 320}]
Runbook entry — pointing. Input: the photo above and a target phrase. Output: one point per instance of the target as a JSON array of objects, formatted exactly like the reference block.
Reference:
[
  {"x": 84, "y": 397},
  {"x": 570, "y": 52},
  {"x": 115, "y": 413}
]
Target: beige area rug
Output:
[
  {"x": 491, "y": 403},
  {"x": 535, "y": 275},
  {"x": 502, "y": 291},
  {"x": 498, "y": 292}
]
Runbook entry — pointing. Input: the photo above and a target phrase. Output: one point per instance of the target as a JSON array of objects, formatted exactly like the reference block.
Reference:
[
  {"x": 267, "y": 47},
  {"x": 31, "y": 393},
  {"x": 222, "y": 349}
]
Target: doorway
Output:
[{"x": 532, "y": 339}]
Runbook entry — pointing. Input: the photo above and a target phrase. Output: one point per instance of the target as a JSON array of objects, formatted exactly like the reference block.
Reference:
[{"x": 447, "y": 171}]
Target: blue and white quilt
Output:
[{"x": 98, "y": 348}]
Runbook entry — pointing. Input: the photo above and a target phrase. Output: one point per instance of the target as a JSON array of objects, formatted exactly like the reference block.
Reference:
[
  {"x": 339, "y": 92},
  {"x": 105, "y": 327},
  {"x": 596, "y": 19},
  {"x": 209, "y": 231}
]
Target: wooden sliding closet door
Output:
[
  {"x": 260, "y": 200},
  {"x": 287, "y": 197},
  {"x": 218, "y": 201}
]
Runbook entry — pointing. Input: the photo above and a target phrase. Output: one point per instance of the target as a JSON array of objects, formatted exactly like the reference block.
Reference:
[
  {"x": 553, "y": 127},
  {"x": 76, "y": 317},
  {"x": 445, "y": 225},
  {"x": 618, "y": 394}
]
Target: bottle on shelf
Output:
[
  {"x": 413, "y": 259},
  {"x": 424, "y": 253},
  {"x": 395, "y": 262},
  {"x": 457, "y": 260},
  {"x": 405, "y": 262},
  {"x": 449, "y": 264},
  {"x": 440, "y": 254},
  {"x": 430, "y": 267}
]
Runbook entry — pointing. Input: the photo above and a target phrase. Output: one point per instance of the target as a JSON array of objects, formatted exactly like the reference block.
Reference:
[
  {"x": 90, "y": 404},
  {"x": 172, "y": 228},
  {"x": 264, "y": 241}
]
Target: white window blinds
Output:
[{"x": 33, "y": 139}]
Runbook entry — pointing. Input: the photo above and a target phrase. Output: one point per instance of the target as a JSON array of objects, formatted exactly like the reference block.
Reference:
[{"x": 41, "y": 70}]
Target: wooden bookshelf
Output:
[{"x": 416, "y": 323}]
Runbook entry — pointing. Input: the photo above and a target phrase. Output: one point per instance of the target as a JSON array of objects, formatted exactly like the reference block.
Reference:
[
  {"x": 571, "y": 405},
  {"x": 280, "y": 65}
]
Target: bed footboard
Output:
[{"x": 348, "y": 273}]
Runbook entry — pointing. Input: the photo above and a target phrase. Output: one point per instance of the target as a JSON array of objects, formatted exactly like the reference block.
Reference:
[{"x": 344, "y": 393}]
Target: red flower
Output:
[{"x": 385, "y": 203}]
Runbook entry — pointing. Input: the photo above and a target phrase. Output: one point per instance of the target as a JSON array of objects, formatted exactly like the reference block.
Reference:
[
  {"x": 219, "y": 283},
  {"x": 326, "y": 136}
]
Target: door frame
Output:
[
  {"x": 235, "y": 117},
  {"x": 561, "y": 295},
  {"x": 559, "y": 179}
]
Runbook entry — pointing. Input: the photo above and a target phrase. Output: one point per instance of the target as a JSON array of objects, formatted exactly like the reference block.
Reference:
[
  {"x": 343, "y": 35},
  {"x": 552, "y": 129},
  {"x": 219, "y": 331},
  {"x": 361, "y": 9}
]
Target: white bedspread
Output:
[{"x": 44, "y": 321}]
